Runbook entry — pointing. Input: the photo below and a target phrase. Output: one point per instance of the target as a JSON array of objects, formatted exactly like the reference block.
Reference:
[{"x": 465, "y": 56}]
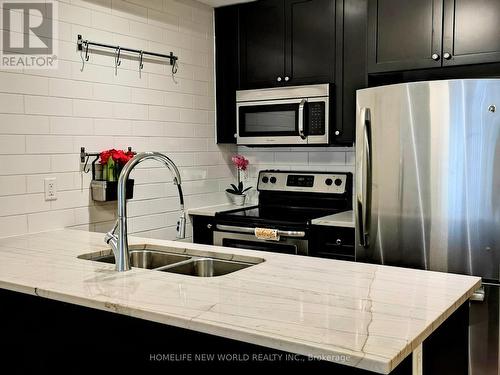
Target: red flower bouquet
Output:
[{"x": 112, "y": 162}]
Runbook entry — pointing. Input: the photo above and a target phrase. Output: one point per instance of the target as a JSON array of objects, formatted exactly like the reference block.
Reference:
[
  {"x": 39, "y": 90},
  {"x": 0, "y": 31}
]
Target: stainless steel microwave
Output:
[{"x": 296, "y": 115}]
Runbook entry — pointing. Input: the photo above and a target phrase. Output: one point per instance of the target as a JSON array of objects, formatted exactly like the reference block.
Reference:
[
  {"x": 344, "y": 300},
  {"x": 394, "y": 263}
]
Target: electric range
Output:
[{"x": 288, "y": 202}]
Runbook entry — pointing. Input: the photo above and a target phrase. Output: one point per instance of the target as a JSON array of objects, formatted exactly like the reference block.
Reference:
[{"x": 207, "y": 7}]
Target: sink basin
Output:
[
  {"x": 206, "y": 267},
  {"x": 148, "y": 259},
  {"x": 182, "y": 261}
]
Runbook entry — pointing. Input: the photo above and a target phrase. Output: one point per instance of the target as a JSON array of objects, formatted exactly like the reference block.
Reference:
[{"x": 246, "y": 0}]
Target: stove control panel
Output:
[{"x": 314, "y": 182}]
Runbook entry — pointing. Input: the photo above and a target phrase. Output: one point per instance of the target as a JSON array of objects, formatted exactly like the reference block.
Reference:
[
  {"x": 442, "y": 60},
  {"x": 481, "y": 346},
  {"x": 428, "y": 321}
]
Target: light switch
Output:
[{"x": 50, "y": 189}]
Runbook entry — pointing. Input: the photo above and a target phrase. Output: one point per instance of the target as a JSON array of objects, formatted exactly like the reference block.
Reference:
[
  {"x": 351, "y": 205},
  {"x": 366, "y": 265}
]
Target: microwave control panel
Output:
[{"x": 316, "y": 118}]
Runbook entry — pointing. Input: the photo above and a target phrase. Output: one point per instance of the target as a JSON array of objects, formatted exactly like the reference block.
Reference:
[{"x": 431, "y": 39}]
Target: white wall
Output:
[
  {"x": 46, "y": 116},
  {"x": 332, "y": 159}
]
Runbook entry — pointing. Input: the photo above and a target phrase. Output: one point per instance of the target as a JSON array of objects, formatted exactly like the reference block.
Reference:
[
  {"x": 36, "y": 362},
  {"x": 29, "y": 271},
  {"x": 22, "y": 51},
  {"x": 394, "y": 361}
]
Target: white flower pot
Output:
[{"x": 238, "y": 200}]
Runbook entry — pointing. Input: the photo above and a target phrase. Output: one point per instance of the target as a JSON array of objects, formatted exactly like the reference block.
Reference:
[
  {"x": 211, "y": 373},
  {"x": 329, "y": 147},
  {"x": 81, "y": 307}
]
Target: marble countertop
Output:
[
  {"x": 342, "y": 219},
  {"x": 211, "y": 210},
  {"x": 361, "y": 315}
]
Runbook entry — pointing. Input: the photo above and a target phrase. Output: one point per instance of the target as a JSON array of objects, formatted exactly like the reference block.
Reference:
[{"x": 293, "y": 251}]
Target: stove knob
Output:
[
  {"x": 273, "y": 180},
  {"x": 328, "y": 181},
  {"x": 338, "y": 182},
  {"x": 265, "y": 179}
]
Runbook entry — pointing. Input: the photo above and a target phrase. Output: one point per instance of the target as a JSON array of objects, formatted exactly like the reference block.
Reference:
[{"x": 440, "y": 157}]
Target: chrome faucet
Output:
[{"x": 117, "y": 237}]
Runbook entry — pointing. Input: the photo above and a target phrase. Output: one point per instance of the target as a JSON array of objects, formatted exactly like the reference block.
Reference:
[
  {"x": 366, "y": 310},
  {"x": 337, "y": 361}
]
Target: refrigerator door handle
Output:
[
  {"x": 364, "y": 195},
  {"x": 363, "y": 178}
]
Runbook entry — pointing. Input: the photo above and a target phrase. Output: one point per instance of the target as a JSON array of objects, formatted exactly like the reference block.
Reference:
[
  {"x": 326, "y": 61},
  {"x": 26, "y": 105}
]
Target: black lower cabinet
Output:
[
  {"x": 203, "y": 229},
  {"x": 42, "y": 336},
  {"x": 332, "y": 242}
]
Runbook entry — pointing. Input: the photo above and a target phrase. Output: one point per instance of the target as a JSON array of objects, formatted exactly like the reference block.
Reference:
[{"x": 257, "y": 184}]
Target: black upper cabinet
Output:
[
  {"x": 262, "y": 45},
  {"x": 287, "y": 42},
  {"x": 404, "y": 34},
  {"x": 418, "y": 34},
  {"x": 310, "y": 41},
  {"x": 471, "y": 32},
  {"x": 226, "y": 70},
  {"x": 271, "y": 43}
]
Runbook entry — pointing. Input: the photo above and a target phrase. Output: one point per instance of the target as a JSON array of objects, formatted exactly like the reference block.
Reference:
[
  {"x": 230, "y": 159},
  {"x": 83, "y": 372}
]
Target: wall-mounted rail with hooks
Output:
[{"x": 83, "y": 45}]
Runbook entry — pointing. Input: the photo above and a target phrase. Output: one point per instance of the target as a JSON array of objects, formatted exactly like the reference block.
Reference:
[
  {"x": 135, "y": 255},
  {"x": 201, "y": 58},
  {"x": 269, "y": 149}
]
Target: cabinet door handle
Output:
[
  {"x": 287, "y": 79},
  {"x": 279, "y": 79},
  {"x": 435, "y": 57},
  {"x": 447, "y": 56}
]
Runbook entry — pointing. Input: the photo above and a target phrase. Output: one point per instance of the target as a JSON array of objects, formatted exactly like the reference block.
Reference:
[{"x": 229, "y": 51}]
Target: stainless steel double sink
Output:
[{"x": 168, "y": 260}]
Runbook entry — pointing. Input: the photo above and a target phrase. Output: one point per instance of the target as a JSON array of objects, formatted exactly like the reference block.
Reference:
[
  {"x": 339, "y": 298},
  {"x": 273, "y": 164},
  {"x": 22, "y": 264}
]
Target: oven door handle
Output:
[{"x": 281, "y": 233}]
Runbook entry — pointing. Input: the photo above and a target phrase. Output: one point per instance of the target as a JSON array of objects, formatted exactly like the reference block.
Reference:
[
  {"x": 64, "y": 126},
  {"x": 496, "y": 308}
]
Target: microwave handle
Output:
[{"x": 301, "y": 118}]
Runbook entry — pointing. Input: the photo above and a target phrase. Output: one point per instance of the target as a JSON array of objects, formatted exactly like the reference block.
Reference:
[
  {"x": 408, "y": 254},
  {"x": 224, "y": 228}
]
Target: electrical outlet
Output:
[{"x": 50, "y": 189}]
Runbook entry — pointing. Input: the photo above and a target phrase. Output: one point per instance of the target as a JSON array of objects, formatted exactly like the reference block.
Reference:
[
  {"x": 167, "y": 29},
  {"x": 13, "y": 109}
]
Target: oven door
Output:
[
  {"x": 297, "y": 121},
  {"x": 248, "y": 241}
]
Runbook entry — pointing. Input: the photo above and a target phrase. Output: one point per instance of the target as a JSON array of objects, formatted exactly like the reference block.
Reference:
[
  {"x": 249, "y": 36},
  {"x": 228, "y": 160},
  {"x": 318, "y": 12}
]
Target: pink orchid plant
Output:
[{"x": 241, "y": 164}]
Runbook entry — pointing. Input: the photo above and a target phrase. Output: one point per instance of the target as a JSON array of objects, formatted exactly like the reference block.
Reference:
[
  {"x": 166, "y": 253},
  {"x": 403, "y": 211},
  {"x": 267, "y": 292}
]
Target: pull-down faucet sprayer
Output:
[{"x": 117, "y": 237}]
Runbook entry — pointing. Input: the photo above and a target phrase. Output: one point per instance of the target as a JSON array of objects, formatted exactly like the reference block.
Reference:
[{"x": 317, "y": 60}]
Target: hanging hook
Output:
[
  {"x": 86, "y": 50},
  {"x": 85, "y": 170},
  {"x": 174, "y": 66},
  {"x": 141, "y": 65},
  {"x": 117, "y": 59}
]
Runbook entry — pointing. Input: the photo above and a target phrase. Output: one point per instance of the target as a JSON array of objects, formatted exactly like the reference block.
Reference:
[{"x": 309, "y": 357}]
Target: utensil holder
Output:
[{"x": 107, "y": 191}]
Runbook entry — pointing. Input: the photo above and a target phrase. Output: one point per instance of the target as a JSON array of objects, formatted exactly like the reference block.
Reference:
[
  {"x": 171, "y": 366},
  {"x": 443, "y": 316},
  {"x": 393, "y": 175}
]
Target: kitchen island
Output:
[{"x": 358, "y": 317}]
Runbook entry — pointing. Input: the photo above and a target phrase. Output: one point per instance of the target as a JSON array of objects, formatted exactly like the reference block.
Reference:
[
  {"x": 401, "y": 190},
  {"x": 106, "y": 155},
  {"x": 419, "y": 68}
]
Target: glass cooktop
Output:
[{"x": 278, "y": 215}]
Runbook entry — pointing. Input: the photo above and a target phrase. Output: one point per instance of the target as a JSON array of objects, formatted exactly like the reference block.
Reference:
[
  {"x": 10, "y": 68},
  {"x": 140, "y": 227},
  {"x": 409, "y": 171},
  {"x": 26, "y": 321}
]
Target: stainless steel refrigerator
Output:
[{"x": 428, "y": 189}]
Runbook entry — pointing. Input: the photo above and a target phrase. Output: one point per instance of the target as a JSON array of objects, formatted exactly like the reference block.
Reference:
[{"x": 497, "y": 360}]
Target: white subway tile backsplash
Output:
[
  {"x": 112, "y": 127},
  {"x": 11, "y": 103},
  {"x": 327, "y": 158},
  {"x": 111, "y": 93},
  {"x": 22, "y": 204},
  {"x": 94, "y": 214},
  {"x": 130, "y": 111},
  {"x": 146, "y": 96},
  {"x": 45, "y": 105},
  {"x": 13, "y": 225},
  {"x": 22, "y": 124},
  {"x": 47, "y": 115},
  {"x": 163, "y": 20},
  {"x": 12, "y": 144},
  {"x": 50, "y": 220},
  {"x": 74, "y": 14},
  {"x": 71, "y": 125},
  {"x": 92, "y": 108},
  {"x": 49, "y": 144},
  {"x": 70, "y": 89},
  {"x": 35, "y": 183},
  {"x": 164, "y": 113},
  {"x": 72, "y": 199},
  {"x": 64, "y": 163},
  {"x": 19, "y": 83},
  {"x": 148, "y": 128},
  {"x": 104, "y": 21},
  {"x": 10, "y": 185},
  {"x": 292, "y": 157},
  {"x": 127, "y": 10},
  {"x": 175, "y": 99},
  {"x": 24, "y": 164}
]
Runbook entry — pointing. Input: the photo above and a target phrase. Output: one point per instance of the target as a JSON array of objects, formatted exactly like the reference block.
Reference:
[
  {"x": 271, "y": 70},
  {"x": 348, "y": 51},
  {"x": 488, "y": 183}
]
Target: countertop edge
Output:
[{"x": 300, "y": 347}]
